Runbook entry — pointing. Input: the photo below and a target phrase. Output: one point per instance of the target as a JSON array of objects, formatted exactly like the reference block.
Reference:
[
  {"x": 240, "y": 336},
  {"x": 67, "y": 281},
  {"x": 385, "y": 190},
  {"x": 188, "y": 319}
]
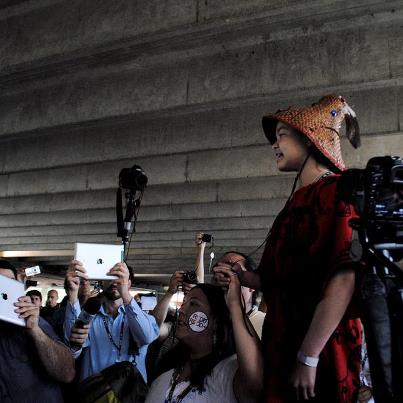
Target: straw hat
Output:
[{"x": 321, "y": 123}]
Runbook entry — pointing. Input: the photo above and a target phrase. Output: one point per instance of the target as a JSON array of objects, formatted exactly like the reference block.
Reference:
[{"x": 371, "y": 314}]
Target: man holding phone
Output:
[{"x": 33, "y": 360}]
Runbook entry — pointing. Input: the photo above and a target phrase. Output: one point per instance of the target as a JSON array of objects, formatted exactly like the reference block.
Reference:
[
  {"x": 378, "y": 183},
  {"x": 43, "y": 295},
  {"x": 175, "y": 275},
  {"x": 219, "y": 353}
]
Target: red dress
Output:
[{"x": 308, "y": 243}]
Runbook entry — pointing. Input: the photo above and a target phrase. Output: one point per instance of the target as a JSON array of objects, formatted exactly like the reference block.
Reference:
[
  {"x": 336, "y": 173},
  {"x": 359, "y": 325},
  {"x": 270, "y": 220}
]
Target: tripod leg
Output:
[{"x": 378, "y": 335}]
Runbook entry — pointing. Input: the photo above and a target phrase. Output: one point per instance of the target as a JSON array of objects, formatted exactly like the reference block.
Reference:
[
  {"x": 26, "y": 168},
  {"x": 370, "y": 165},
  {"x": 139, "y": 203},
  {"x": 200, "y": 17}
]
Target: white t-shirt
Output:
[
  {"x": 218, "y": 386},
  {"x": 257, "y": 318}
]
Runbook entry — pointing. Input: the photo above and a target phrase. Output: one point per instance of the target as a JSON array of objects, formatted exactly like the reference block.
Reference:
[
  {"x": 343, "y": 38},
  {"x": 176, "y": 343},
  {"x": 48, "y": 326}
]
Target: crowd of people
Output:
[{"x": 218, "y": 345}]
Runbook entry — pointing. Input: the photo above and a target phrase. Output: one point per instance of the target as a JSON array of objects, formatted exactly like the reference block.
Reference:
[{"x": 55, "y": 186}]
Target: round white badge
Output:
[{"x": 198, "y": 321}]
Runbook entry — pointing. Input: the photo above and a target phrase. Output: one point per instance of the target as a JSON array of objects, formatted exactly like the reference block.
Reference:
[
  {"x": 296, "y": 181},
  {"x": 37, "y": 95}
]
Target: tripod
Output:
[
  {"x": 381, "y": 292},
  {"x": 127, "y": 226}
]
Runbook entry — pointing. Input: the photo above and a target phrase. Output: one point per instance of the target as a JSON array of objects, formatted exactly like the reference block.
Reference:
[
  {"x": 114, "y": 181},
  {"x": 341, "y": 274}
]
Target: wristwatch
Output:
[{"x": 307, "y": 360}]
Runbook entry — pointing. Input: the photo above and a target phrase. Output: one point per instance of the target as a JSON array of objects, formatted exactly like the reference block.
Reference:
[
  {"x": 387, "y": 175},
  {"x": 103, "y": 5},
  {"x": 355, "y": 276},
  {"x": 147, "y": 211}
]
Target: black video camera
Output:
[
  {"x": 133, "y": 178},
  {"x": 133, "y": 182},
  {"x": 376, "y": 193},
  {"x": 190, "y": 277}
]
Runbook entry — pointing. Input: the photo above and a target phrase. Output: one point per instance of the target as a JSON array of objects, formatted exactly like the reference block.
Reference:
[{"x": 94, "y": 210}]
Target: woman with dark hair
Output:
[
  {"x": 311, "y": 335},
  {"x": 211, "y": 327}
]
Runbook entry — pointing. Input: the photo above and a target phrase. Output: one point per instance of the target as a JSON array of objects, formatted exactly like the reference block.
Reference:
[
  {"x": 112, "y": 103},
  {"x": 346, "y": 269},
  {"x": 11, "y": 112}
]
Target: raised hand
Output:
[
  {"x": 122, "y": 282},
  {"x": 199, "y": 240},
  {"x": 221, "y": 275},
  {"x": 75, "y": 272},
  {"x": 233, "y": 296},
  {"x": 78, "y": 336},
  {"x": 28, "y": 311},
  {"x": 175, "y": 282}
]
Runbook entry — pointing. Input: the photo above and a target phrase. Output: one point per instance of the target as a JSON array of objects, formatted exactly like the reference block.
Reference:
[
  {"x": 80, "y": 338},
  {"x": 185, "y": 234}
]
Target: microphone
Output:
[
  {"x": 87, "y": 314},
  {"x": 211, "y": 261},
  {"x": 130, "y": 208}
]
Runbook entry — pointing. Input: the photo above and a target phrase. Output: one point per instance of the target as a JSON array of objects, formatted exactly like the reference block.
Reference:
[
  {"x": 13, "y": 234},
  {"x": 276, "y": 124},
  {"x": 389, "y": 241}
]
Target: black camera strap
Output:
[{"x": 126, "y": 226}]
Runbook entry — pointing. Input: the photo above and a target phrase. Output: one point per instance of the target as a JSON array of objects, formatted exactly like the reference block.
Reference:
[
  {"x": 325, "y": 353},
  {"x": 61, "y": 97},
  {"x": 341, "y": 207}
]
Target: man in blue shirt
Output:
[{"x": 120, "y": 331}]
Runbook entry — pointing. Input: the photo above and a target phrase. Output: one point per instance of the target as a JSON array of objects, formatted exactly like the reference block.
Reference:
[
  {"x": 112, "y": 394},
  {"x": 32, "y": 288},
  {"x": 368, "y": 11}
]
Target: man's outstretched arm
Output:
[{"x": 55, "y": 356}]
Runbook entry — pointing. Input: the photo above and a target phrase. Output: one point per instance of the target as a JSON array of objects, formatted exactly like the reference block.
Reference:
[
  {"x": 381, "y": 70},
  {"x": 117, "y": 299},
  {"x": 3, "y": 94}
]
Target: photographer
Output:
[
  {"x": 33, "y": 360},
  {"x": 166, "y": 339},
  {"x": 203, "y": 367},
  {"x": 311, "y": 335},
  {"x": 181, "y": 279},
  {"x": 120, "y": 331},
  {"x": 237, "y": 262}
]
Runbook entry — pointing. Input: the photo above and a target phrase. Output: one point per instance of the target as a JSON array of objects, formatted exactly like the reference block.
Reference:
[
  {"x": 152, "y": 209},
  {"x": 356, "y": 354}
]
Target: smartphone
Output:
[{"x": 32, "y": 271}]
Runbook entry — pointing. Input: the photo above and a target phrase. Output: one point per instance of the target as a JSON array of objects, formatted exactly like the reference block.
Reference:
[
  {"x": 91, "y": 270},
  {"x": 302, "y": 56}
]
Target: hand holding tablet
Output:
[
  {"x": 98, "y": 259},
  {"x": 10, "y": 291}
]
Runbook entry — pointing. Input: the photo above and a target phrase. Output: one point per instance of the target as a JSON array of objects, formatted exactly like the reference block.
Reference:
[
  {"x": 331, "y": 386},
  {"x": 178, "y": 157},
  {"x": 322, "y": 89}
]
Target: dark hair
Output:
[
  {"x": 249, "y": 264},
  {"x": 219, "y": 310},
  {"x": 5, "y": 264},
  {"x": 318, "y": 156},
  {"x": 131, "y": 273},
  {"x": 321, "y": 159},
  {"x": 34, "y": 292},
  {"x": 223, "y": 347}
]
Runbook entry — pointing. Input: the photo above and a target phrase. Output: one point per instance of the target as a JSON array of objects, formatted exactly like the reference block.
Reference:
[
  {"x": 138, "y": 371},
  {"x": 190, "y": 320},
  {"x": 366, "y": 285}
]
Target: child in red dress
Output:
[{"x": 312, "y": 334}]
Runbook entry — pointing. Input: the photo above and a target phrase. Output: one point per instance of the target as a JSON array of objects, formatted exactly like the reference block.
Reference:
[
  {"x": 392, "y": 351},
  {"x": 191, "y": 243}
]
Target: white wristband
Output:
[{"x": 306, "y": 360}]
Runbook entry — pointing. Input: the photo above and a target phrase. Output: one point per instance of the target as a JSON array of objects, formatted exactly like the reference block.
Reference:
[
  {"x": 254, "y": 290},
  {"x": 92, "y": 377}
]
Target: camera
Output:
[
  {"x": 376, "y": 193},
  {"x": 190, "y": 277},
  {"x": 32, "y": 271},
  {"x": 133, "y": 178},
  {"x": 206, "y": 238}
]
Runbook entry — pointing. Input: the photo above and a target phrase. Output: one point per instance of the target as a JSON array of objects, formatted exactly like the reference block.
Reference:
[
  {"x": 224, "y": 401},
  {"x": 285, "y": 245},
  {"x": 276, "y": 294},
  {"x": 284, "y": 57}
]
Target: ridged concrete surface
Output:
[{"x": 178, "y": 87}]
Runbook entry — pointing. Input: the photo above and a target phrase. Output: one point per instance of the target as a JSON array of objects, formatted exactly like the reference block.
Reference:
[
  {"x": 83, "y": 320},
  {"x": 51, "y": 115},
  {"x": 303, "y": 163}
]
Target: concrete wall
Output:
[{"x": 178, "y": 87}]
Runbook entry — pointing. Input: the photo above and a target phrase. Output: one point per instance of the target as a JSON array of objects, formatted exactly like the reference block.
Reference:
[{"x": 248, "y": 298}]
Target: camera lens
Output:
[
  {"x": 190, "y": 277},
  {"x": 133, "y": 178}
]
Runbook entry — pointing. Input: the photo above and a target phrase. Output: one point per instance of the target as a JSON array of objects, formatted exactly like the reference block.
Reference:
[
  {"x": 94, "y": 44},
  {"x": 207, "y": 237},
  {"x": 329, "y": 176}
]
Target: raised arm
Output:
[
  {"x": 161, "y": 309},
  {"x": 248, "y": 381},
  {"x": 54, "y": 356},
  {"x": 199, "y": 264},
  {"x": 247, "y": 278},
  {"x": 74, "y": 274},
  {"x": 143, "y": 327}
]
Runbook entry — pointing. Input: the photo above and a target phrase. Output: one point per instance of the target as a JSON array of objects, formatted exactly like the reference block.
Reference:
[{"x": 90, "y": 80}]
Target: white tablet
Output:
[
  {"x": 10, "y": 291},
  {"x": 98, "y": 259}
]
